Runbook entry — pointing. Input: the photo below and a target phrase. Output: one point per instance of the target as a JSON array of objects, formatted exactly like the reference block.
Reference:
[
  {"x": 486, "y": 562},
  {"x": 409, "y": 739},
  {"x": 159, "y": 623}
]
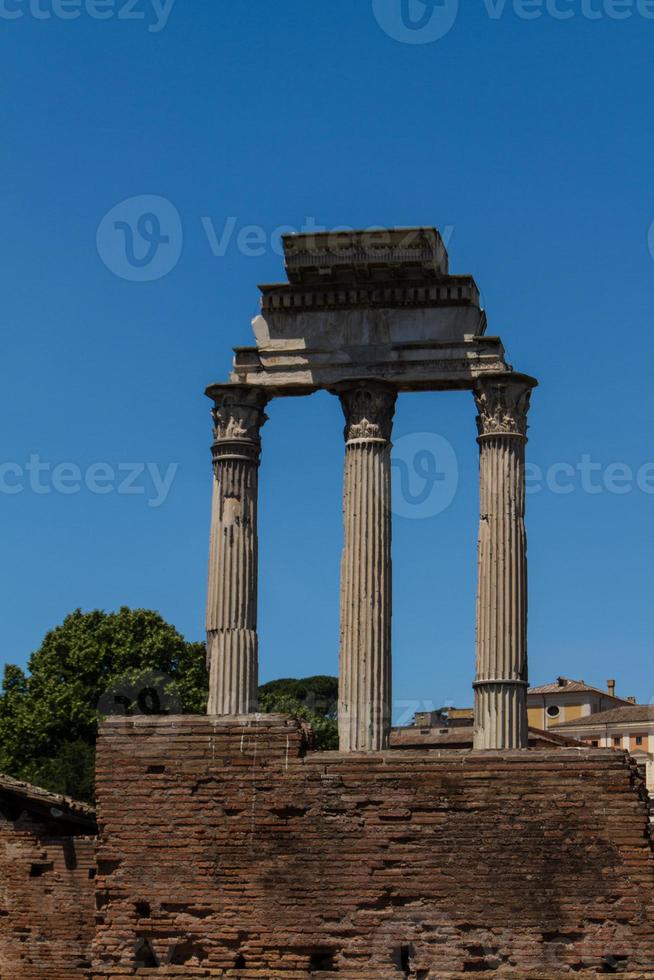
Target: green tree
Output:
[
  {"x": 313, "y": 699},
  {"x": 94, "y": 664},
  {"x": 124, "y": 663}
]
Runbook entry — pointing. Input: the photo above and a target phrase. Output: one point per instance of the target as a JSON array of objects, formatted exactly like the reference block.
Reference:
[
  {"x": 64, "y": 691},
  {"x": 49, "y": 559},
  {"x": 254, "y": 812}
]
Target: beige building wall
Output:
[
  {"x": 621, "y": 735},
  {"x": 650, "y": 778},
  {"x": 536, "y": 717},
  {"x": 570, "y": 706}
]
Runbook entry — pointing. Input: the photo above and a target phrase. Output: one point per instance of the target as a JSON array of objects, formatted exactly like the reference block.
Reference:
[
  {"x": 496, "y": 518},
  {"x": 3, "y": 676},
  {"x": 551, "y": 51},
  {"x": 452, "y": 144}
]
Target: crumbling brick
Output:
[{"x": 256, "y": 859}]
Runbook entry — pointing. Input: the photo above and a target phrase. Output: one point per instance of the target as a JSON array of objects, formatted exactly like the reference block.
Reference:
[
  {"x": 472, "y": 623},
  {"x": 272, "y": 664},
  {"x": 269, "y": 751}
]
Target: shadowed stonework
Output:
[
  {"x": 47, "y": 867},
  {"x": 228, "y": 851}
]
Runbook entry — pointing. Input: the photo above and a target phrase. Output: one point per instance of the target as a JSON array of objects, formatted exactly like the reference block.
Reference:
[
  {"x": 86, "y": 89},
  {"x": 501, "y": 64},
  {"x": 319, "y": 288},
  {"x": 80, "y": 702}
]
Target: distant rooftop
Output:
[
  {"x": 623, "y": 715},
  {"x": 462, "y": 738},
  {"x": 568, "y": 686}
]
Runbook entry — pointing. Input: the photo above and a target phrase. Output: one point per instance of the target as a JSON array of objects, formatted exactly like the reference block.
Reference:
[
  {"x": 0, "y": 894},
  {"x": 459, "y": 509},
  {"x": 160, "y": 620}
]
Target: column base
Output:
[
  {"x": 500, "y": 715},
  {"x": 233, "y": 661},
  {"x": 367, "y": 731}
]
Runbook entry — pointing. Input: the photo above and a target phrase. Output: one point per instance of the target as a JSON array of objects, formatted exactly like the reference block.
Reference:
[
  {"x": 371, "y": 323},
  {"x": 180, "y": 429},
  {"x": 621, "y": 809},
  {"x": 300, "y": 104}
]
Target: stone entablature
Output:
[
  {"x": 368, "y": 305},
  {"x": 433, "y": 365},
  {"x": 366, "y": 316},
  {"x": 366, "y": 256},
  {"x": 456, "y": 291}
]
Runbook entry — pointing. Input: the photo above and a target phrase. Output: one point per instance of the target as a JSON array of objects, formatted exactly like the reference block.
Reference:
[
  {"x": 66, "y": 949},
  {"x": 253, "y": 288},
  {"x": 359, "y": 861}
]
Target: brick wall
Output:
[
  {"x": 46, "y": 898},
  {"x": 227, "y": 852}
]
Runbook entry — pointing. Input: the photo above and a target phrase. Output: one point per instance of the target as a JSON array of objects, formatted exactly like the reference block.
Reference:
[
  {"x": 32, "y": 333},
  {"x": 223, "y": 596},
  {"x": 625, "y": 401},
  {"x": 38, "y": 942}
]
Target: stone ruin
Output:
[
  {"x": 227, "y": 847},
  {"x": 368, "y": 316}
]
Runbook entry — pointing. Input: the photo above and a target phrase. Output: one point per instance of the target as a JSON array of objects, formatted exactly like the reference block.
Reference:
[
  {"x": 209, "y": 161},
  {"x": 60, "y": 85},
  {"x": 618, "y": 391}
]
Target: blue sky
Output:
[{"x": 527, "y": 141}]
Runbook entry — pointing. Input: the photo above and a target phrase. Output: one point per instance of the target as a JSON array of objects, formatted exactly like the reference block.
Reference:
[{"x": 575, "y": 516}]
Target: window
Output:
[
  {"x": 595, "y": 743},
  {"x": 617, "y": 740},
  {"x": 553, "y": 711},
  {"x": 639, "y": 739}
]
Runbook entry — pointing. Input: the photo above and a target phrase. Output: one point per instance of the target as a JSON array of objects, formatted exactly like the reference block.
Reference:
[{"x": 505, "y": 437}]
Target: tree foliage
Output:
[
  {"x": 128, "y": 662},
  {"x": 94, "y": 664},
  {"x": 313, "y": 699}
]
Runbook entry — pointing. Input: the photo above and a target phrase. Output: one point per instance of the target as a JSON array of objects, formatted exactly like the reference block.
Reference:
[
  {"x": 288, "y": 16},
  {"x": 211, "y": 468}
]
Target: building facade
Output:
[
  {"x": 629, "y": 727},
  {"x": 568, "y": 700}
]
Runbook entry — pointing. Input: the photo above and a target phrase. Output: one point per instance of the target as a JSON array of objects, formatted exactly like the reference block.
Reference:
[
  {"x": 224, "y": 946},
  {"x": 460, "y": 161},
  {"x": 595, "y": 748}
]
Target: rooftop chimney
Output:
[
  {"x": 631, "y": 699},
  {"x": 611, "y": 688}
]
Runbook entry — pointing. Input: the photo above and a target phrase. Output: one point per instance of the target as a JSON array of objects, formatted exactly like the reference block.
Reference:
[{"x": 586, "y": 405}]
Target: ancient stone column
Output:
[
  {"x": 364, "y": 710},
  {"x": 501, "y": 637},
  {"x": 232, "y": 645}
]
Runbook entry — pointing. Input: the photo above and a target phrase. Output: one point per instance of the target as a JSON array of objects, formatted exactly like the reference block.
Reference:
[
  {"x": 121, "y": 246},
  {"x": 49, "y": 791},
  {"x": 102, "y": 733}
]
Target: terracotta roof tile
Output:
[
  {"x": 565, "y": 685},
  {"x": 628, "y": 713},
  {"x": 44, "y": 798}
]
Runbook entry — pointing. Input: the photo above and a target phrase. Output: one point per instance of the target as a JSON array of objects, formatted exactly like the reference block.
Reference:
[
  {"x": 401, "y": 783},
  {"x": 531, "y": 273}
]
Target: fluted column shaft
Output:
[
  {"x": 364, "y": 711},
  {"x": 232, "y": 645},
  {"x": 501, "y": 634}
]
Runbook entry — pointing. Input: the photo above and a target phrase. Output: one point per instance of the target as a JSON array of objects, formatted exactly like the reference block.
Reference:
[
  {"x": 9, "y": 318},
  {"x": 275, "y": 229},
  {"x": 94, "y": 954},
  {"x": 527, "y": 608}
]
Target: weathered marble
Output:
[
  {"x": 501, "y": 633},
  {"x": 368, "y": 305},
  {"x": 232, "y": 645},
  {"x": 367, "y": 315},
  {"x": 427, "y": 365},
  {"x": 365, "y": 683}
]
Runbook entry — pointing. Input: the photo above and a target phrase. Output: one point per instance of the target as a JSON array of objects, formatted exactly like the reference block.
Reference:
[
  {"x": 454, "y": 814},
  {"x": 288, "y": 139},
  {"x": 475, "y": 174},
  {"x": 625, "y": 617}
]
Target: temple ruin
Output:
[
  {"x": 368, "y": 316},
  {"x": 228, "y": 846}
]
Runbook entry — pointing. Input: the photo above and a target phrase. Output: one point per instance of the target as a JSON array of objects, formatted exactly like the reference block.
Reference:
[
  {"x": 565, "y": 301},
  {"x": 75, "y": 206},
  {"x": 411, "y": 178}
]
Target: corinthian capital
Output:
[
  {"x": 369, "y": 407},
  {"x": 238, "y": 413},
  {"x": 503, "y": 403}
]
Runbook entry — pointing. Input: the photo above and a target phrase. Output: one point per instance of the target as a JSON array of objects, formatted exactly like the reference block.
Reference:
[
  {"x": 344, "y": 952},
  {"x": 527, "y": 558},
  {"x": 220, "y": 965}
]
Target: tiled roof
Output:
[
  {"x": 461, "y": 737},
  {"x": 563, "y": 685},
  {"x": 617, "y": 716},
  {"x": 43, "y": 799}
]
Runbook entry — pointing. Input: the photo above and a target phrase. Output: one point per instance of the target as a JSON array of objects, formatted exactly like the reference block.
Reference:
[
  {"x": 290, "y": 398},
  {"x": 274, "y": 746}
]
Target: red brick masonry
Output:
[
  {"x": 47, "y": 866},
  {"x": 226, "y": 851}
]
